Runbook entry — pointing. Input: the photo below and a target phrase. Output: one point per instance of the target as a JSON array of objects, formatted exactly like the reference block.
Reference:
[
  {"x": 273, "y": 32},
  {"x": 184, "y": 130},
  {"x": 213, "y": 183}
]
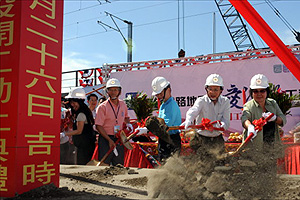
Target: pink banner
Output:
[{"x": 187, "y": 83}]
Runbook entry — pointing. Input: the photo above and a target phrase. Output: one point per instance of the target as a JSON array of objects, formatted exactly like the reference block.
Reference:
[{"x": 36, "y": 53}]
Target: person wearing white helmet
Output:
[
  {"x": 82, "y": 134},
  {"x": 170, "y": 112},
  {"x": 262, "y": 106},
  {"x": 111, "y": 116},
  {"x": 213, "y": 106}
]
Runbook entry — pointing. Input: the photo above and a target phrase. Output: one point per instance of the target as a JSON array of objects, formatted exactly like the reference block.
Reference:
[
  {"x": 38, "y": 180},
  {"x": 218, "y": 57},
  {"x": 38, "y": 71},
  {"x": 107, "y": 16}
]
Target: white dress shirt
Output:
[{"x": 205, "y": 108}]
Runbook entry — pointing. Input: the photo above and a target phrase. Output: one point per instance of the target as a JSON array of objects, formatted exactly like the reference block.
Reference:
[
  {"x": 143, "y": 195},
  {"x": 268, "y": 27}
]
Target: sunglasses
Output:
[{"x": 259, "y": 91}]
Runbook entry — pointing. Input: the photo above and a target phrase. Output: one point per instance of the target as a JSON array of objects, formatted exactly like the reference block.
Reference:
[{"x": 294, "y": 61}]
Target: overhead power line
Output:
[
  {"x": 276, "y": 11},
  {"x": 127, "y": 41},
  {"x": 144, "y": 7},
  {"x": 139, "y": 25},
  {"x": 98, "y": 4},
  {"x": 140, "y": 8}
]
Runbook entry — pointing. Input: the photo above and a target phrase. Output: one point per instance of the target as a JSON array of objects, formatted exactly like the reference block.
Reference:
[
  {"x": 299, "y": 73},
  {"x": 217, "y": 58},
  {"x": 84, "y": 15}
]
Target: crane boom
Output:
[{"x": 235, "y": 26}]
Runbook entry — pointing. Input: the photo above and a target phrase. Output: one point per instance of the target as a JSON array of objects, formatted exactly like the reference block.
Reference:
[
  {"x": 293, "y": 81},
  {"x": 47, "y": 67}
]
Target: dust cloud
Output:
[{"x": 250, "y": 175}]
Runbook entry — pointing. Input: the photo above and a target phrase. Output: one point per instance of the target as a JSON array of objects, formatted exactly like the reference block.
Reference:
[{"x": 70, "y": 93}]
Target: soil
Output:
[{"x": 184, "y": 178}]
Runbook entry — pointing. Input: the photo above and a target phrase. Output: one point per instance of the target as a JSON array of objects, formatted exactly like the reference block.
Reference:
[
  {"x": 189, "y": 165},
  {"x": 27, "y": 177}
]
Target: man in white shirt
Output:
[{"x": 213, "y": 106}]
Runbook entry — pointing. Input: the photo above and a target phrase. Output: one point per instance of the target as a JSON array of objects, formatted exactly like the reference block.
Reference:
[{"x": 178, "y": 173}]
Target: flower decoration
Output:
[
  {"x": 283, "y": 99},
  {"x": 142, "y": 105}
]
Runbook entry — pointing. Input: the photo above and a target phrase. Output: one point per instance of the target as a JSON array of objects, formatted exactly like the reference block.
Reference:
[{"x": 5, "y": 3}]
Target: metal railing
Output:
[{"x": 101, "y": 74}]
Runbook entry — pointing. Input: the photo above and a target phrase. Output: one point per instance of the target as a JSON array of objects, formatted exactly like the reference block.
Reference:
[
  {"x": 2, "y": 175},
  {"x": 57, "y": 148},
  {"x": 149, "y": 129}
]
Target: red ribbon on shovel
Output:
[
  {"x": 259, "y": 123},
  {"x": 206, "y": 124},
  {"x": 258, "y": 126}
]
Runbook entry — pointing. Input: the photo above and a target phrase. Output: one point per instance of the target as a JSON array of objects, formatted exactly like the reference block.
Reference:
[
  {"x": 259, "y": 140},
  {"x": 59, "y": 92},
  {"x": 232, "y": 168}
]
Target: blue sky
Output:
[{"x": 86, "y": 44}]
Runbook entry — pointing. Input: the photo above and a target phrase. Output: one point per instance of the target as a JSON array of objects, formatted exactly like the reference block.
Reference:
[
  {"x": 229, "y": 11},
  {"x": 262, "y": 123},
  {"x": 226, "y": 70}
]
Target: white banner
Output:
[{"x": 187, "y": 83}]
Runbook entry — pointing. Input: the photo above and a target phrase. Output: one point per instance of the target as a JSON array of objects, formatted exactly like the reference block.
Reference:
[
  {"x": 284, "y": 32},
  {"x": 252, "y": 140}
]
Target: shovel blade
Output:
[
  {"x": 94, "y": 162},
  {"x": 158, "y": 127}
]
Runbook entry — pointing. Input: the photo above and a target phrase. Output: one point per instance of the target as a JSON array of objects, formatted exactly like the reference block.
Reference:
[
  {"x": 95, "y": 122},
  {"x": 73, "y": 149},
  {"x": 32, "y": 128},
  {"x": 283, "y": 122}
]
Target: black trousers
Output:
[
  {"x": 85, "y": 152},
  {"x": 104, "y": 147}
]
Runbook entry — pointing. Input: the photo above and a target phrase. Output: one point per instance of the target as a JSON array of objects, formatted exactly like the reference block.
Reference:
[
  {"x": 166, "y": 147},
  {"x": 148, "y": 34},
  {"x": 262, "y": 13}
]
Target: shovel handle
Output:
[
  {"x": 243, "y": 144},
  {"x": 248, "y": 139},
  {"x": 250, "y": 136},
  {"x": 199, "y": 126},
  {"x": 108, "y": 152},
  {"x": 132, "y": 135},
  {"x": 269, "y": 117},
  {"x": 182, "y": 127}
]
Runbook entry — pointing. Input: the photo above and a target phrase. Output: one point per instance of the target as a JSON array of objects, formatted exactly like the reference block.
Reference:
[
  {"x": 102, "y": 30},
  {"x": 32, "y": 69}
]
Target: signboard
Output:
[
  {"x": 30, "y": 84},
  {"x": 187, "y": 82}
]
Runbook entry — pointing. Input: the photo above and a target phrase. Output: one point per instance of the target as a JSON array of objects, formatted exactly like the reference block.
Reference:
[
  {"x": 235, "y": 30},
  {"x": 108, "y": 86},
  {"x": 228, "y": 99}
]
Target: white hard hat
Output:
[
  {"x": 214, "y": 80},
  {"x": 113, "y": 82},
  {"x": 158, "y": 84},
  {"x": 77, "y": 93},
  {"x": 259, "y": 81}
]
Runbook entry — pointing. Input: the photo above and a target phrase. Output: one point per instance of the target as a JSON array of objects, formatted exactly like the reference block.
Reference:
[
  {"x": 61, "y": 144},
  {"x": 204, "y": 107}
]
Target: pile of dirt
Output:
[
  {"x": 51, "y": 192},
  {"x": 136, "y": 181},
  {"x": 98, "y": 175},
  {"x": 252, "y": 175},
  {"x": 83, "y": 185},
  {"x": 44, "y": 192}
]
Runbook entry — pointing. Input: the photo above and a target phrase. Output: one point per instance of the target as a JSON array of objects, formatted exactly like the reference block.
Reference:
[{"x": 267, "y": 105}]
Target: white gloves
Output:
[
  {"x": 251, "y": 129},
  {"x": 115, "y": 151},
  {"x": 62, "y": 134},
  {"x": 186, "y": 124},
  {"x": 265, "y": 115},
  {"x": 142, "y": 130},
  {"x": 63, "y": 138},
  {"x": 129, "y": 127},
  {"x": 220, "y": 125}
]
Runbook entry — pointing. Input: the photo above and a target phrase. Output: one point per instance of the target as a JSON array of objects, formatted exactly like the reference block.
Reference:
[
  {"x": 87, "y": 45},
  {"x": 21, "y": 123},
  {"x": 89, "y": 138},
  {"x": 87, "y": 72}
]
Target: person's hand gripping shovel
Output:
[{"x": 252, "y": 131}]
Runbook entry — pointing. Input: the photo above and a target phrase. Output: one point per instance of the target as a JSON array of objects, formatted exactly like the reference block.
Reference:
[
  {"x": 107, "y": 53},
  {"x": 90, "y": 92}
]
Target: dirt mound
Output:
[
  {"x": 87, "y": 185},
  {"x": 185, "y": 178},
  {"x": 98, "y": 175},
  {"x": 136, "y": 181},
  {"x": 51, "y": 192},
  {"x": 45, "y": 192},
  {"x": 252, "y": 175}
]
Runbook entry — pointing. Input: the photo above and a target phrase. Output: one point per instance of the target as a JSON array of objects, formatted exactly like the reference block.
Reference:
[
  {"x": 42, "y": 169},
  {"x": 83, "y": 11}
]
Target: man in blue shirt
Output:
[{"x": 170, "y": 112}]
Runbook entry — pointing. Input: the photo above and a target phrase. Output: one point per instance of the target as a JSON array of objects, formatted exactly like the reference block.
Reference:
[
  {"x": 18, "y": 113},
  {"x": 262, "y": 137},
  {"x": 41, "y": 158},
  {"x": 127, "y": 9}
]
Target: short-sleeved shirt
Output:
[
  {"x": 81, "y": 118},
  {"x": 252, "y": 111},
  {"x": 170, "y": 112},
  {"x": 205, "y": 108},
  {"x": 110, "y": 115}
]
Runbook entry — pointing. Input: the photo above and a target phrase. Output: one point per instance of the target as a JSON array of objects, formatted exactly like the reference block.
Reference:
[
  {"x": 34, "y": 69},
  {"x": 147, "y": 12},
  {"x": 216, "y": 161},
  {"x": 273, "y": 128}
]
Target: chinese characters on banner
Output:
[
  {"x": 188, "y": 83},
  {"x": 30, "y": 84}
]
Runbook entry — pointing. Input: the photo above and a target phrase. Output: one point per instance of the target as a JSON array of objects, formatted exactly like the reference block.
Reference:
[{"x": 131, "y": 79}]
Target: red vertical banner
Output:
[
  {"x": 268, "y": 35},
  {"x": 30, "y": 85}
]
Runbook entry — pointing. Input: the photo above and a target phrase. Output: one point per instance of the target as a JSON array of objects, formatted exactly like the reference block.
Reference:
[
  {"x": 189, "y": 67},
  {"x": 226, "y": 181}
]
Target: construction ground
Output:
[{"x": 180, "y": 178}]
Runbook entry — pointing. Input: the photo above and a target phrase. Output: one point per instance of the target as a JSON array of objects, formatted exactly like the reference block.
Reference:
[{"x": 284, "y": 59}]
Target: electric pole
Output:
[{"x": 128, "y": 41}]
